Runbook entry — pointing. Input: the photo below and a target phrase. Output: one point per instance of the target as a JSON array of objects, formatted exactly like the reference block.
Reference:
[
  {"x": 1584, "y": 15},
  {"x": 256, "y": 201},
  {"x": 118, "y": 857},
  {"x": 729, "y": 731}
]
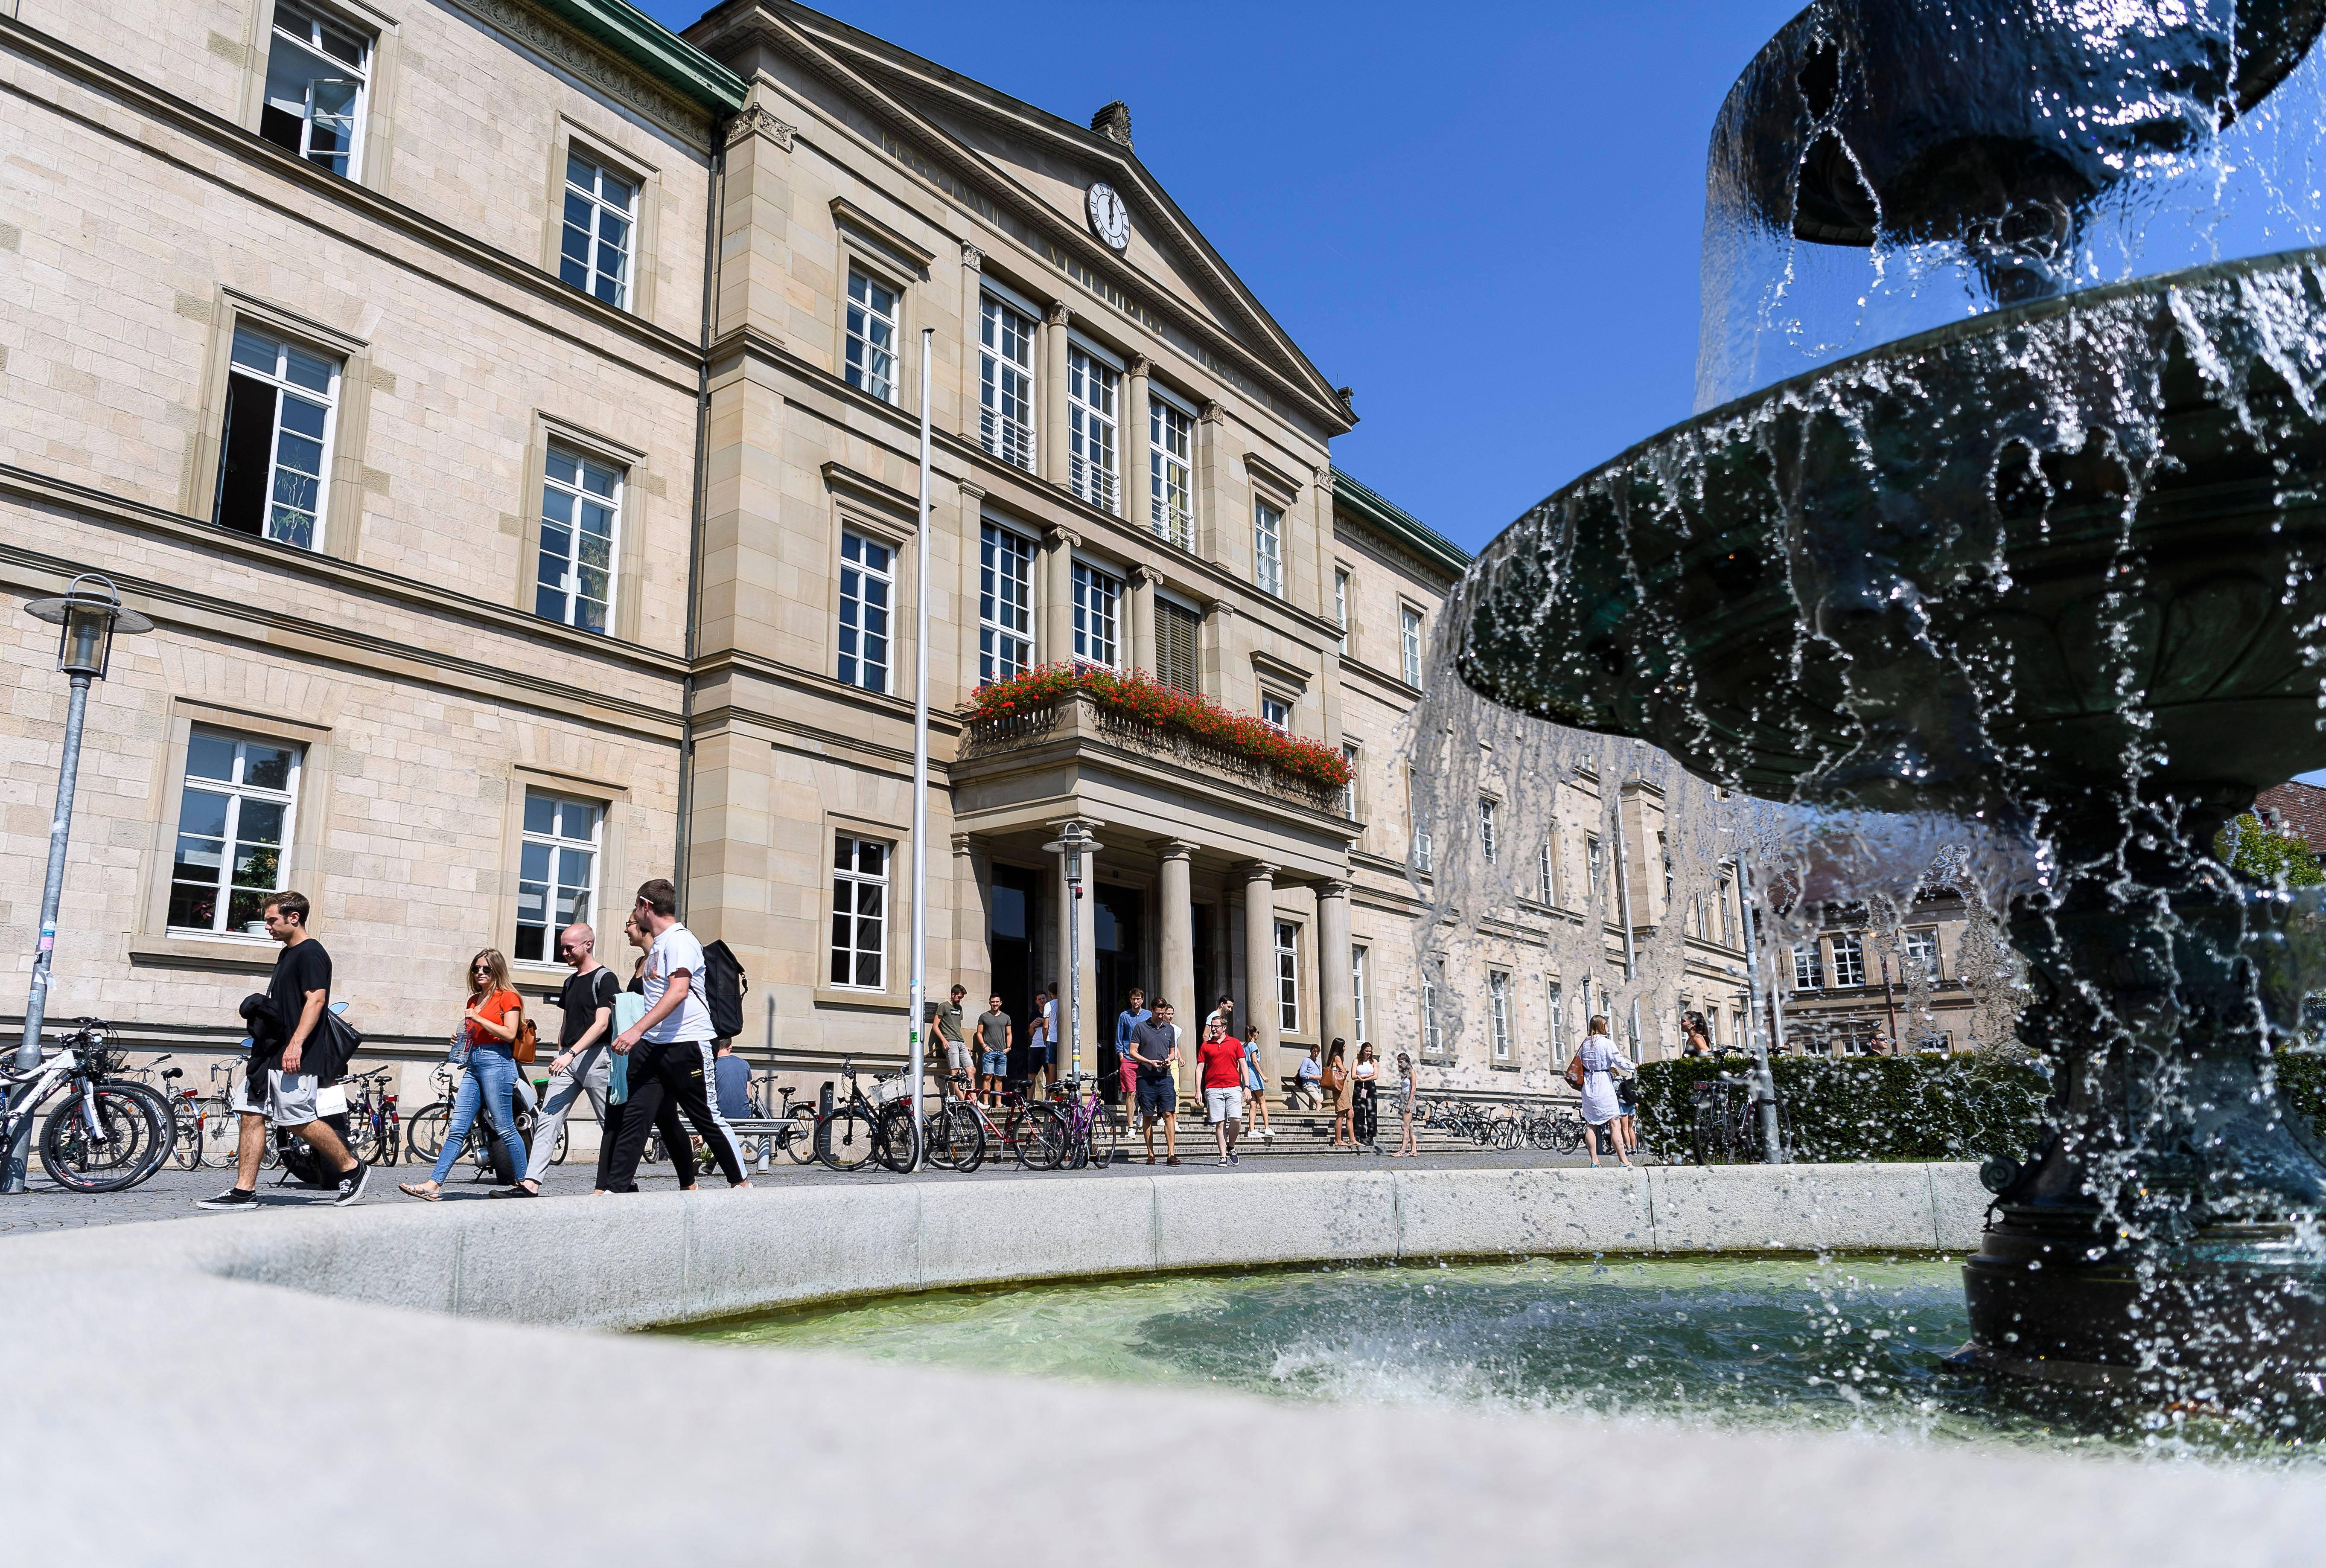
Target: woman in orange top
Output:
[{"x": 487, "y": 1043}]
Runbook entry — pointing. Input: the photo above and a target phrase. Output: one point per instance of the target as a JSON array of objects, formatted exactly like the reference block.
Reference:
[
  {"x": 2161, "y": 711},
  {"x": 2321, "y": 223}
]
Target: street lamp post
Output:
[
  {"x": 87, "y": 619},
  {"x": 1073, "y": 843}
]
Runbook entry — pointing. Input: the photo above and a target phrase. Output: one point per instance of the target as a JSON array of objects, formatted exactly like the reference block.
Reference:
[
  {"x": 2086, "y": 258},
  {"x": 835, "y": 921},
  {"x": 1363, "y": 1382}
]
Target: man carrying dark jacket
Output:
[{"x": 292, "y": 1056}]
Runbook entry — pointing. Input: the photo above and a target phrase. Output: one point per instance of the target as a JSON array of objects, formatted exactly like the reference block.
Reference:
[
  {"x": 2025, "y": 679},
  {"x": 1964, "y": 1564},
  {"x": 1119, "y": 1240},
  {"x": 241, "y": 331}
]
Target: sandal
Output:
[{"x": 410, "y": 1190}]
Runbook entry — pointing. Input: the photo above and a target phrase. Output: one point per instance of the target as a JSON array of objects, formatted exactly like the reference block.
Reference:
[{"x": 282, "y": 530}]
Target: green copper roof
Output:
[
  {"x": 653, "y": 48},
  {"x": 1399, "y": 525}
]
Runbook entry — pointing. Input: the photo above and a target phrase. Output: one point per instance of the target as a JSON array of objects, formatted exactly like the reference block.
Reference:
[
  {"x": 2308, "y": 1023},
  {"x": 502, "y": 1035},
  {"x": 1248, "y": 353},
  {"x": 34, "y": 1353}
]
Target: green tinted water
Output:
[{"x": 1844, "y": 1345}]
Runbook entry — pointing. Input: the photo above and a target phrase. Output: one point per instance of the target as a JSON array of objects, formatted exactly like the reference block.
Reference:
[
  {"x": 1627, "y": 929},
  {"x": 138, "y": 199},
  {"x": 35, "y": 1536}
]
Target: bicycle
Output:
[
  {"x": 1092, "y": 1139},
  {"x": 372, "y": 1116},
  {"x": 795, "y": 1137},
  {"x": 109, "y": 1135},
  {"x": 185, "y": 1112},
  {"x": 961, "y": 1134},
  {"x": 425, "y": 1132},
  {"x": 858, "y": 1130}
]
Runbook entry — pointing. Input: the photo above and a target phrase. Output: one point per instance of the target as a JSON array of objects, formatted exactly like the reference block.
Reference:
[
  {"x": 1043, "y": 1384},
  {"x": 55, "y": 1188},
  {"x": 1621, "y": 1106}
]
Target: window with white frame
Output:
[
  {"x": 1005, "y": 381},
  {"x": 1433, "y": 1039},
  {"x": 1288, "y": 977},
  {"x": 318, "y": 72},
  {"x": 1558, "y": 1024},
  {"x": 1498, "y": 1012},
  {"x": 1349, "y": 790},
  {"x": 1920, "y": 949},
  {"x": 1275, "y": 711},
  {"x": 871, "y": 352},
  {"x": 1005, "y": 604},
  {"x": 557, "y": 871},
  {"x": 1092, "y": 389},
  {"x": 1808, "y": 969},
  {"x": 1171, "y": 471},
  {"x": 1489, "y": 816},
  {"x": 274, "y": 449},
  {"x": 1178, "y": 641},
  {"x": 1545, "y": 890},
  {"x": 1098, "y": 605},
  {"x": 1596, "y": 860},
  {"x": 859, "y": 913},
  {"x": 1420, "y": 854},
  {"x": 601, "y": 215},
  {"x": 1359, "y": 960},
  {"x": 234, "y": 826},
  {"x": 1341, "y": 605},
  {"x": 1409, "y": 638},
  {"x": 1848, "y": 961},
  {"x": 867, "y": 580},
  {"x": 1268, "y": 549},
  {"x": 1728, "y": 932},
  {"x": 581, "y": 519}
]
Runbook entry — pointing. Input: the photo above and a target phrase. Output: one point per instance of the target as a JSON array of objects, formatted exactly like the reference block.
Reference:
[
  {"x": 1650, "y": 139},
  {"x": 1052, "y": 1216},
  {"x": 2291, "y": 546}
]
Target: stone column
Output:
[
  {"x": 1055, "y": 616},
  {"x": 1053, "y": 464},
  {"x": 1140, "y": 655},
  {"x": 1175, "y": 909},
  {"x": 1131, "y": 441},
  {"x": 1259, "y": 963},
  {"x": 1336, "y": 984},
  {"x": 973, "y": 903}
]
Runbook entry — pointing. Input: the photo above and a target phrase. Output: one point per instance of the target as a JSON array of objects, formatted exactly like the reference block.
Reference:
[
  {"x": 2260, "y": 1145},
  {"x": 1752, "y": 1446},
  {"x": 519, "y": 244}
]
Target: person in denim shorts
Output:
[{"x": 992, "y": 1043}]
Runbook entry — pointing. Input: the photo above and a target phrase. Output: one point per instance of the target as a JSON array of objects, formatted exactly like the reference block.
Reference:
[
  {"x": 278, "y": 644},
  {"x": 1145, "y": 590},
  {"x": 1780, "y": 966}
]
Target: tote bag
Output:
[{"x": 628, "y": 1008}]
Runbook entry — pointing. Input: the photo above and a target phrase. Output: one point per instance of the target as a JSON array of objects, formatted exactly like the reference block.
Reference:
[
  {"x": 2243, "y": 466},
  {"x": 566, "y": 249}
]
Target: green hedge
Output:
[
  {"x": 1902, "y": 1107},
  {"x": 1867, "y": 1108}
]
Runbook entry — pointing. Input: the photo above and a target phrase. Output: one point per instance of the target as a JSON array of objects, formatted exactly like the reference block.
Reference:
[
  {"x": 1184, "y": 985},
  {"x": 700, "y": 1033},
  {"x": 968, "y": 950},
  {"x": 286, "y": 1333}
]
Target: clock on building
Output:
[{"x": 1109, "y": 219}]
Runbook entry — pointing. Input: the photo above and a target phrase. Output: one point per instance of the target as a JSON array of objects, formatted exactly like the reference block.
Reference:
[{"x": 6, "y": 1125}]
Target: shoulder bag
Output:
[{"x": 1574, "y": 1071}]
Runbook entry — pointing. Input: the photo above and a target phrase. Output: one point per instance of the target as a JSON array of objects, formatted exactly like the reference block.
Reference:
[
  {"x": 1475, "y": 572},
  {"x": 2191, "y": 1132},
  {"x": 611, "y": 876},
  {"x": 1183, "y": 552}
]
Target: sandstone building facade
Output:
[{"x": 508, "y": 410}]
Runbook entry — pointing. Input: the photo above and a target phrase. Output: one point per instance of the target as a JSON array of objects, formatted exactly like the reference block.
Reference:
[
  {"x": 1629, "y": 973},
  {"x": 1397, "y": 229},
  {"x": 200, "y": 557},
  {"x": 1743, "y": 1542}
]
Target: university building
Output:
[{"x": 508, "y": 412}]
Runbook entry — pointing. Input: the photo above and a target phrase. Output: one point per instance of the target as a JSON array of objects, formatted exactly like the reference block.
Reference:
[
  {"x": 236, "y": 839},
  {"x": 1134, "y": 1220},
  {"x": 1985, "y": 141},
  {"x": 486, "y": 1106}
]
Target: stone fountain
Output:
[{"x": 2057, "y": 568}]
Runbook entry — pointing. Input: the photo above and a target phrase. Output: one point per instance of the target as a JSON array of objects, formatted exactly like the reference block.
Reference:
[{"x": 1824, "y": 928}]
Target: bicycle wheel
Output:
[
  {"x": 939, "y": 1141},
  {"x": 423, "y": 1135},
  {"x": 391, "y": 1138},
  {"x": 557, "y": 1149},
  {"x": 108, "y": 1156},
  {"x": 799, "y": 1138},
  {"x": 186, "y": 1145},
  {"x": 161, "y": 1114},
  {"x": 1105, "y": 1140},
  {"x": 1041, "y": 1138},
  {"x": 363, "y": 1137},
  {"x": 847, "y": 1140},
  {"x": 900, "y": 1137},
  {"x": 964, "y": 1135}
]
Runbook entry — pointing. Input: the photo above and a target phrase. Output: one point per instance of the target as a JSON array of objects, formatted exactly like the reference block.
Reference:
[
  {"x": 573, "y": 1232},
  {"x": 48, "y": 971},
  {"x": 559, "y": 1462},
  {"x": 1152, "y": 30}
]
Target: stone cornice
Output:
[{"x": 625, "y": 54}]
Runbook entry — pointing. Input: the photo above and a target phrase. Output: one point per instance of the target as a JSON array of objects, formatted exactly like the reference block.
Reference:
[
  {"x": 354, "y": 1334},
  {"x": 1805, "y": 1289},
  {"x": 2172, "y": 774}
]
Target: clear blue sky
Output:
[{"x": 1485, "y": 218}]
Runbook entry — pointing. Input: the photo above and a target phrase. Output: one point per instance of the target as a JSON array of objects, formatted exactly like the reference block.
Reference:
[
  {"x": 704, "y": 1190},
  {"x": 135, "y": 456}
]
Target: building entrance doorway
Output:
[
  {"x": 1016, "y": 914},
  {"x": 1193, "y": 1010},
  {"x": 1117, "y": 921}
]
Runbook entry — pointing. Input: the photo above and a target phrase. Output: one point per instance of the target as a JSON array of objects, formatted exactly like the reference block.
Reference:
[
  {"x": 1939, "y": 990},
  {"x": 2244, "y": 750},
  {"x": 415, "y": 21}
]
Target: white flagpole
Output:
[{"x": 921, "y": 765}]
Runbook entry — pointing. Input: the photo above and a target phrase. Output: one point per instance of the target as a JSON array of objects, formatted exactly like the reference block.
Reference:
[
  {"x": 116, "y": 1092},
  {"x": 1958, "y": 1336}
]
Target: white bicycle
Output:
[{"x": 108, "y": 1134}]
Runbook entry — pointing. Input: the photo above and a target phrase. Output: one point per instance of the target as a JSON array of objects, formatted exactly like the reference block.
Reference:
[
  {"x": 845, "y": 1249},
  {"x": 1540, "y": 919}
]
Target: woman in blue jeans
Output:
[{"x": 488, "y": 1032}]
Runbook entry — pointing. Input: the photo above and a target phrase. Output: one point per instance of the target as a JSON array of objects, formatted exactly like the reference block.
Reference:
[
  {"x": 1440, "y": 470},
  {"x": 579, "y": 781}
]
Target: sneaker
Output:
[
  {"x": 1223, "y": 1162},
  {"x": 1233, "y": 1161},
  {"x": 352, "y": 1184},
  {"x": 234, "y": 1200}
]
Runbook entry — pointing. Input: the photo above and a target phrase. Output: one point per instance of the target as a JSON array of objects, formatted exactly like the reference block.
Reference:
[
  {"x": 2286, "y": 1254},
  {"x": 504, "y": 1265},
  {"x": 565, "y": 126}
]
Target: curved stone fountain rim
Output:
[
  {"x": 1986, "y": 324},
  {"x": 153, "y": 1374}
]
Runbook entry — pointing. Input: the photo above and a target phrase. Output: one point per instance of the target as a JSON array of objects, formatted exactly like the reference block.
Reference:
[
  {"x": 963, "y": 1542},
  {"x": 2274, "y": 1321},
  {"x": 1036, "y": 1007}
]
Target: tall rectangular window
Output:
[
  {"x": 867, "y": 578},
  {"x": 872, "y": 353},
  {"x": 1171, "y": 470},
  {"x": 1420, "y": 853},
  {"x": 1489, "y": 814},
  {"x": 1178, "y": 637},
  {"x": 1848, "y": 961},
  {"x": 1287, "y": 977},
  {"x": 1268, "y": 549},
  {"x": 1433, "y": 1039},
  {"x": 1359, "y": 961},
  {"x": 1092, "y": 388},
  {"x": 1545, "y": 890},
  {"x": 276, "y": 448},
  {"x": 1728, "y": 932},
  {"x": 1098, "y": 603},
  {"x": 1558, "y": 1024},
  {"x": 1921, "y": 951},
  {"x": 600, "y": 209},
  {"x": 1005, "y": 383},
  {"x": 859, "y": 913},
  {"x": 1596, "y": 860},
  {"x": 581, "y": 516},
  {"x": 234, "y": 824},
  {"x": 557, "y": 872},
  {"x": 1408, "y": 642},
  {"x": 1498, "y": 1012},
  {"x": 1349, "y": 790},
  {"x": 1341, "y": 606},
  {"x": 1275, "y": 712},
  {"x": 1808, "y": 969},
  {"x": 1005, "y": 604},
  {"x": 317, "y": 73}
]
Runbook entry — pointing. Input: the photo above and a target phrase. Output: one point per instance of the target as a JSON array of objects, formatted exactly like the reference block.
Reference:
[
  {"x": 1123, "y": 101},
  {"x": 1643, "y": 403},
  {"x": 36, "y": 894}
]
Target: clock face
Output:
[{"x": 1109, "y": 219}]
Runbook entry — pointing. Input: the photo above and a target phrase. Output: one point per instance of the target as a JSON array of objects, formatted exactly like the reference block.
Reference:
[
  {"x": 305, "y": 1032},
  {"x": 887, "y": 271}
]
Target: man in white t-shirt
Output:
[{"x": 669, "y": 1049}]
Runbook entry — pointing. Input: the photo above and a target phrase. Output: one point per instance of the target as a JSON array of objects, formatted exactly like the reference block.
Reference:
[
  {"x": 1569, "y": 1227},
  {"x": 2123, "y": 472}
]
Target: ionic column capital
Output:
[
  {"x": 1259, "y": 871},
  {"x": 1331, "y": 889},
  {"x": 1175, "y": 849}
]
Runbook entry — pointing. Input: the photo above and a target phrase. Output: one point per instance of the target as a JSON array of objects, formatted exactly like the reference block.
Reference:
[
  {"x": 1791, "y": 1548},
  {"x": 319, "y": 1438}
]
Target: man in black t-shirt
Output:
[
  {"x": 582, "y": 1065},
  {"x": 290, "y": 1054}
]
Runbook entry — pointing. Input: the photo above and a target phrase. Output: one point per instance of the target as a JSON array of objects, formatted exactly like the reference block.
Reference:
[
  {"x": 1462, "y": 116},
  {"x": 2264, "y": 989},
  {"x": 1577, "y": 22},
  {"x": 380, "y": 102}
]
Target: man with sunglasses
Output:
[{"x": 669, "y": 1049}]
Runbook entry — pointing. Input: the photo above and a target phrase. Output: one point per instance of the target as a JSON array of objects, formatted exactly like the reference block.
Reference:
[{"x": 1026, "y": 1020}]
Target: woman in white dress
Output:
[{"x": 1602, "y": 1063}]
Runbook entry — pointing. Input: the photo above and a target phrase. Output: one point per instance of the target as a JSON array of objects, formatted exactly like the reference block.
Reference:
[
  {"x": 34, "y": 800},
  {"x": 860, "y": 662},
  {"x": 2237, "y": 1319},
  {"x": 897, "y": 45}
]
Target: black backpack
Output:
[{"x": 724, "y": 986}]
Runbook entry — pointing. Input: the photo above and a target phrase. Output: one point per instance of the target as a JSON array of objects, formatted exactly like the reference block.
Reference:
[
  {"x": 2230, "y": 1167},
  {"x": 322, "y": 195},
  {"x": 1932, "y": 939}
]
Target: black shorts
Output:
[
  {"x": 1036, "y": 1056},
  {"x": 1155, "y": 1097}
]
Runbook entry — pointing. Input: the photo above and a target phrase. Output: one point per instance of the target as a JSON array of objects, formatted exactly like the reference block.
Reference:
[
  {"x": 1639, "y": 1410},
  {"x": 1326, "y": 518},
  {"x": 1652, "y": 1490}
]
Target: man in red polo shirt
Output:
[{"x": 1220, "y": 1061}]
